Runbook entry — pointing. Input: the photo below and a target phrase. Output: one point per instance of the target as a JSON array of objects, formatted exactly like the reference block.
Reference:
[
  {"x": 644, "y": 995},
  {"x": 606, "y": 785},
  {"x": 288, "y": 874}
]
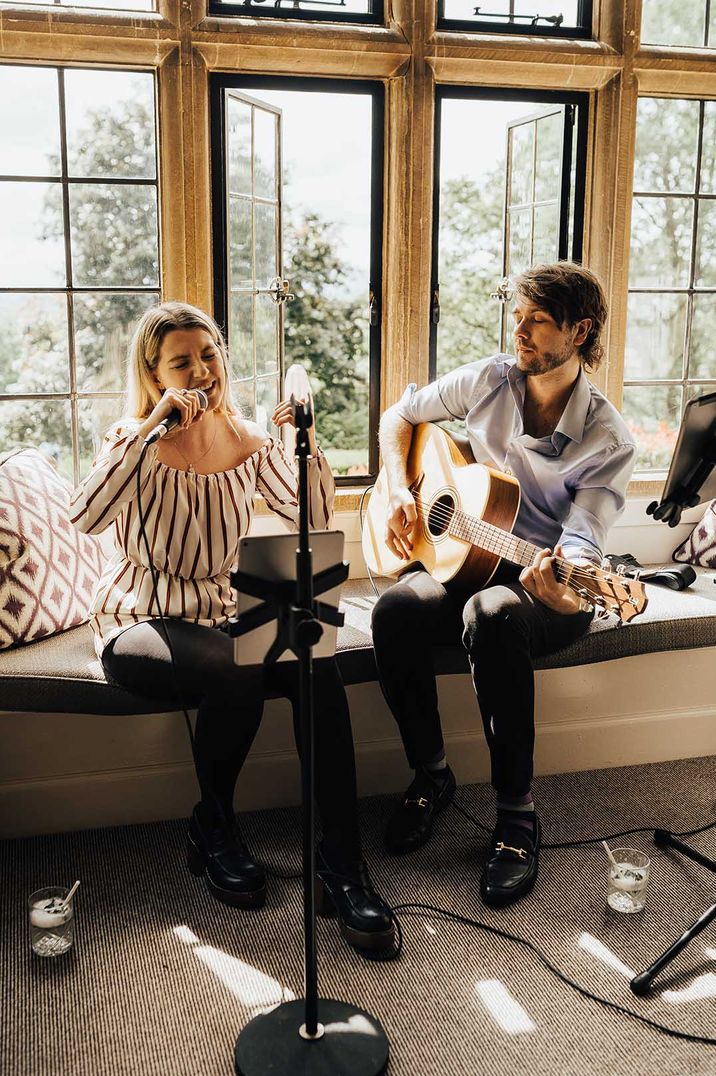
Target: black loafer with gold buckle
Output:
[
  {"x": 411, "y": 824},
  {"x": 511, "y": 869}
]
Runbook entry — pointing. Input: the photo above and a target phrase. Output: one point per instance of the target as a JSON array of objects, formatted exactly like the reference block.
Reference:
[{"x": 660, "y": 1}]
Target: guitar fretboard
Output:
[{"x": 493, "y": 539}]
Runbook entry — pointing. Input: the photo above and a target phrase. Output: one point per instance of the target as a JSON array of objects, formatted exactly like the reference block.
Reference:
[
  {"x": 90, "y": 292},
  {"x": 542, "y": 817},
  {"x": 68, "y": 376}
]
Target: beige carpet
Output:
[{"x": 163, "y": 978}]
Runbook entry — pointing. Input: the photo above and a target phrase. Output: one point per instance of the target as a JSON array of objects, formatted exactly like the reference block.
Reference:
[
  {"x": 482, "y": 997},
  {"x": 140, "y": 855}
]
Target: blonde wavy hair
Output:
[{"x": 143, "y": 393}]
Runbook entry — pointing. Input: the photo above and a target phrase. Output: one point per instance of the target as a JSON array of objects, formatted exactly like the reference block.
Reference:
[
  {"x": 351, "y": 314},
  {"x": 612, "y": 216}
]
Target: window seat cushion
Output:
[{"x": 62, "y": 674}]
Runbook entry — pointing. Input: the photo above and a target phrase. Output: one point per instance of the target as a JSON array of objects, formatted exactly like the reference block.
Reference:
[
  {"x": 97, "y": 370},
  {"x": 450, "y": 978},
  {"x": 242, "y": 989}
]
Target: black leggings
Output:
[{"x": 230, "y": 701}]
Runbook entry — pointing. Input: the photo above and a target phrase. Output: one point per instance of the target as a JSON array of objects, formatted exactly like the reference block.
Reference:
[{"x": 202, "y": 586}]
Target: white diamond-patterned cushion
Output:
[
  {"x": 700, "y": 546},
  {"x": 48, "y": 569}
]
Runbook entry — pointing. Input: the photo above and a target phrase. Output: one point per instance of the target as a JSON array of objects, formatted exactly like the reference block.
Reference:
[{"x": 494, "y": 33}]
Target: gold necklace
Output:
[{"x": 189, "y": 464}]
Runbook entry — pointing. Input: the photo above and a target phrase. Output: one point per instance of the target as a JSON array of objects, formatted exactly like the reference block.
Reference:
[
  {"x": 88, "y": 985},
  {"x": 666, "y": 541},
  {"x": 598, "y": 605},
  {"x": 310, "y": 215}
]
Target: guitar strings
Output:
[{"x": 565, "y": 570}]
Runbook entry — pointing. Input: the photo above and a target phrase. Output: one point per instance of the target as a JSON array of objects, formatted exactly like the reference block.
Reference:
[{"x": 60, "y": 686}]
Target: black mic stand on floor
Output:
[{"x": 311, "y": 1036}]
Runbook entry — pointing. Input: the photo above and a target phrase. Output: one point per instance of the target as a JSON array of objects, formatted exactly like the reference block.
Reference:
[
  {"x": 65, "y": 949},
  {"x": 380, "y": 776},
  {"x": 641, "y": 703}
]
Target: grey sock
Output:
[{"x": 435, "y": 767}]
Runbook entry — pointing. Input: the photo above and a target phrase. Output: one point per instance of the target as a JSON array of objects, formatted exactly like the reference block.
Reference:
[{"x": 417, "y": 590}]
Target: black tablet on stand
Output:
[{"x": 692, "y": 474}]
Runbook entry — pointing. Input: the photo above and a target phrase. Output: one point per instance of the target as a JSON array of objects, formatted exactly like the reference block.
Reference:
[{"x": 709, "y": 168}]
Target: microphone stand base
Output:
[{"x": 352, "y": 1044}]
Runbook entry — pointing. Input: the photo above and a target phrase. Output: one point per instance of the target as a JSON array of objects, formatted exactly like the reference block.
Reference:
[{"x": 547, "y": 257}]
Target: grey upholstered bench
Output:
[{"x": 61, "y": 674}]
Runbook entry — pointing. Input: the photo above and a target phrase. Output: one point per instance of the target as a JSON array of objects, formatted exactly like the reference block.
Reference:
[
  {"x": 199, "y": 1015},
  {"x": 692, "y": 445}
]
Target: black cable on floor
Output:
[
  {"x": 583, "y": 841},
  {"x": 417, "y": 908}
]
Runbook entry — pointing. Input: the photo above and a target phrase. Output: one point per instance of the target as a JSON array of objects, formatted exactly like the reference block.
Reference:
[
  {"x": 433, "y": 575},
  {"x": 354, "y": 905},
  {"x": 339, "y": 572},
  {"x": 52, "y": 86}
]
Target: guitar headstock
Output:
[{"x": 618, "y": 593}]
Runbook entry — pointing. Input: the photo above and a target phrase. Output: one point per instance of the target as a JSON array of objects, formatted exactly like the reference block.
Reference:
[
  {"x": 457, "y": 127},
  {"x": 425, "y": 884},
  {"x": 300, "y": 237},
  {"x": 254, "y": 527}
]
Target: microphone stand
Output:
[
  {"x": 311, "y": 1036},
  {"x": 641, "y": 984}
]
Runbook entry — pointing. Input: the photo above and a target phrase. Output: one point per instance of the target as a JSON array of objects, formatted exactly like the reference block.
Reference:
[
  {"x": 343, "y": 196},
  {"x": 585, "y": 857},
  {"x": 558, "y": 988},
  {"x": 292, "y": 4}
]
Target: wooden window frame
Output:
[{"x": 183, "y": 43}]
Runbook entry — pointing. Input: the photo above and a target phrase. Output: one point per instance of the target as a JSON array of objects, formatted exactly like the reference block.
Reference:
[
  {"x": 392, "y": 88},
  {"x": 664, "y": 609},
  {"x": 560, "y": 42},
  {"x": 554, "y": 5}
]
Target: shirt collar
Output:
[{"x": 574, "y": 416}]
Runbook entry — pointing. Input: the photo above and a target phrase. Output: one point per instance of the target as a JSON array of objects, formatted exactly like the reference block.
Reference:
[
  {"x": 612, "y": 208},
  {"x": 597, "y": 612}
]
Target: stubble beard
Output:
[{"x": 534, "y": 364}]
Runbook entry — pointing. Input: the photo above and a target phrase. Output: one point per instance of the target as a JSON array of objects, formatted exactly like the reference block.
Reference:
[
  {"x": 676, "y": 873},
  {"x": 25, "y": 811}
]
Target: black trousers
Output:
[
  {"x": 230, "y": 701},
  {"x": 503, "y": 628}
]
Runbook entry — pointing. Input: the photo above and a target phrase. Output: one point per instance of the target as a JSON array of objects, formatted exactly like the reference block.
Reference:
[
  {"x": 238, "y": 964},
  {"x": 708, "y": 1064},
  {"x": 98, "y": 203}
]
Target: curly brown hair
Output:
[{"x": 569, "y": 293}]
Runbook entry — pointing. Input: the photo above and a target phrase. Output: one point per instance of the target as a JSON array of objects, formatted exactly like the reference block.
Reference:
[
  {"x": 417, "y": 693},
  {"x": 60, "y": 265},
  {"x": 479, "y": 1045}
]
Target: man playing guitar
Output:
[{"x": 539, "y": 418}]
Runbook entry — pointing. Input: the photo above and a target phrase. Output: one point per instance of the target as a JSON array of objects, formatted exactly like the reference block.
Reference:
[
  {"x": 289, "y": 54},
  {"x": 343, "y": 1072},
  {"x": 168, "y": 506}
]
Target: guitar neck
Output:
[{"x": 493, "y": 539}]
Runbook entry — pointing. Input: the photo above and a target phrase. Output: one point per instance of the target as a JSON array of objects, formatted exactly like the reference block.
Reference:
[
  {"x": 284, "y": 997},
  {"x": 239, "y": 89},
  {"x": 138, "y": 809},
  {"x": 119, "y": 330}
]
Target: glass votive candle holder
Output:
[
  {"x": 51, "y": 921},
  {"x": 627, "y": 881}
]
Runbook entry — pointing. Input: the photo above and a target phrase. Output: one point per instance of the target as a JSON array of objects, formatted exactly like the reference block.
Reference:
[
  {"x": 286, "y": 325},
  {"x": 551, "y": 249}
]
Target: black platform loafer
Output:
[
  {"x": 411, "y": 824},
  {"x": 511, "y": 869},
  {"x": 344, "y": 888},
  {"x": 216, "y": 851}
]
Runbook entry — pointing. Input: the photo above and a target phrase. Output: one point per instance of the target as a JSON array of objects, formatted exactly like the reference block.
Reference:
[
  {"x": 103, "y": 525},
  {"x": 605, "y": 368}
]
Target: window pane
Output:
[
  {"x": 522, "y": 164},
  {"x": 666, "y": 143},
  {"x": 114, "y": 234},
  {"x": 699, "y": 390},
  {"x": 545, "y": 242},
  {"x": 265, "y": 140},
  {"x": 266, "y": 400},
  {"x": 241, "y": 335},
  {"x": 103, "y": 327},
  {"x": 266, "y": 245},
  {"x": 42, "y": 424},
  {"x": 33, "y": 344},
  {"x": 240, "y": 243},
  {"x": 702, "y": 360},
  {"x": 672, "y": 22},
  {"x": 708, "y": 149},
  {"x": 95, "y": 418},
  {"x": 705, "y": 273},
  {"x": 29, "y": 122},
  {"x": 360, "y": 7},
  {"x": 653, "y": 414},
  {"x": 32, "y": 253},
  {"x": 245, "y": 398},
  {"x": 239, "y": 146},
  {"x": 566, "y": 11},
  {"x": 110, "y": 124},
  {"x": 656, "y": 328},
  {"x": 267, "y": 354},
  {"x": 519, "y": 240},
  {"x": 660, "y": 242},
  {"x": 549, "y": 157}
]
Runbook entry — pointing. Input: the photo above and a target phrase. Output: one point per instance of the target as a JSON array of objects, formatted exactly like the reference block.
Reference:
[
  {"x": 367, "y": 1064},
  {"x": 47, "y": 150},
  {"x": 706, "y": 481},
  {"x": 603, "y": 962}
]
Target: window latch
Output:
[
  {"x": 373, "y": 314},
  {"x": 435, "y": 306},
  {"x": 278, "y": 290}
]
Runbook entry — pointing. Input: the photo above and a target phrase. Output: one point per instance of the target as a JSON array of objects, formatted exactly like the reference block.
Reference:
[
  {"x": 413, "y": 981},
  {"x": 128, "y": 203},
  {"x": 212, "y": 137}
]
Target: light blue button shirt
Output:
[{"x": 573, "y": 482}]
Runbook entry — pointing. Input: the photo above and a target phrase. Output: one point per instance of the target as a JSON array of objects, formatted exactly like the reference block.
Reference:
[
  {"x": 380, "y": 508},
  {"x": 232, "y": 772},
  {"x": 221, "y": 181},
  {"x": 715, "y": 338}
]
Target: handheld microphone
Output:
[{"x": 174, "y": 418}]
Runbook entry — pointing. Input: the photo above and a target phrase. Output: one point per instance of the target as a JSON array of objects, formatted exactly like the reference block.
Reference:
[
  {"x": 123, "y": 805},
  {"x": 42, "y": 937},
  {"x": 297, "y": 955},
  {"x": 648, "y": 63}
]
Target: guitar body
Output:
[{"x": 442, "y": 481}]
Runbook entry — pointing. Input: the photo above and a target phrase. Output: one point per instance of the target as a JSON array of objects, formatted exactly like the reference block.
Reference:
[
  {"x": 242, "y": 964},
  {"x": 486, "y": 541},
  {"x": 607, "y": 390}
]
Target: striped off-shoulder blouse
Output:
[{"x": 193, "y": 524}]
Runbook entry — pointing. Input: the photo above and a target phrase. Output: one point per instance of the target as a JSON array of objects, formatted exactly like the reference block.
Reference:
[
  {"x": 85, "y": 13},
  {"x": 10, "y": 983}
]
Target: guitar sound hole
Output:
[{"x": 440, "y": 514}]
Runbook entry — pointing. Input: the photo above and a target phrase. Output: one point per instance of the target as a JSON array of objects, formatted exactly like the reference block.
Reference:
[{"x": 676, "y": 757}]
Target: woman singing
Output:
[{"x": 197, "y": 496}]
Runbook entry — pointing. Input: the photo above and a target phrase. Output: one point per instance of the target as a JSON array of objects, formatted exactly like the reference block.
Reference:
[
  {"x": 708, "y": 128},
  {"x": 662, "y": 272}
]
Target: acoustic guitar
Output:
[{"x": 466, "y": 512}]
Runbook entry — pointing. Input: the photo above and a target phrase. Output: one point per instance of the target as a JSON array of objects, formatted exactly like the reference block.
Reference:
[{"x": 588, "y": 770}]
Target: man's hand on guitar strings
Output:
[
  {"x": 540, "y": 581},
  {"x": 402, "y": 517}
]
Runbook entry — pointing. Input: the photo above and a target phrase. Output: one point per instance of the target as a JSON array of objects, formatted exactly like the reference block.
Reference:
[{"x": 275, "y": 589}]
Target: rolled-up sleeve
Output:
[
  {"x": 598, "y": 501},
  {"x": 451, "y": 396}
]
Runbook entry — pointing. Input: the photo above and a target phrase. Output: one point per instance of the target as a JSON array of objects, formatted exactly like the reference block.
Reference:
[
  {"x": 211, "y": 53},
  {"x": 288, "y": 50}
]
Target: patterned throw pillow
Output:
[
  {"x": 48, "y": 570},
  {"x": 700, "y": 546}
]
